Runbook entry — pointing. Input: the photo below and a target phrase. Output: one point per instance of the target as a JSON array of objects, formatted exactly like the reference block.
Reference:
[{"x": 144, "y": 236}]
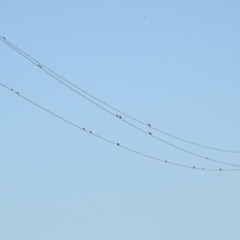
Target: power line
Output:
[
  {"x": 55, "y": 76},
  {"x": 111, "y": 142},
  {"x": 148, "y": 125}
]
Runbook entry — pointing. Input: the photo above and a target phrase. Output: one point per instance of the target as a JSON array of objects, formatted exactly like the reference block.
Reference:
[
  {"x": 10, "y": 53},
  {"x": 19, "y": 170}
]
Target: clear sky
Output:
[{"x": 173, "y": 64}]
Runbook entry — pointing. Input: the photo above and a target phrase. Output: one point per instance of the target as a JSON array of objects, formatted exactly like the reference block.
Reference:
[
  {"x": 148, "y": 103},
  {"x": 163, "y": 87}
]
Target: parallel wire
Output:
[
  {"x": 147, "y": 125},
  {"x": 113, "y": 143},
  {"x": 51, "y": 73}
]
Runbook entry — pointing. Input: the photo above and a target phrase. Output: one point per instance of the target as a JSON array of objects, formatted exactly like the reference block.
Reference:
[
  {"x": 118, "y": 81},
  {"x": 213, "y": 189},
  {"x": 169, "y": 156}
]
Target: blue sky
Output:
[{"x": 174, "y": 64}]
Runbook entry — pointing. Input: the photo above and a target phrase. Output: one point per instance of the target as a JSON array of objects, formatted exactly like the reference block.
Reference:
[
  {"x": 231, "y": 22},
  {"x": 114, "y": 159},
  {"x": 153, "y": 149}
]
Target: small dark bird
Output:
[
  {"x": 17, "y": 92},
  {"x": 193, "y": 167},
  {"x": 11, "y": 89},
  {"x": 166, "y": 161},
  {"x": 118, "y": 144},
  {"x": 150, "y": 133},
  {"x": 90, "y": 132},
  {"x": 84, "y": 129},
  {"x": 149, "y": 125},
  {"x": 4, "y": 38},
  {"x": 117, "y": 116},
  {"x": 39, "y": 66},
  {"x": 220, "y": 169},
  {"x": 120, "y": 117}
]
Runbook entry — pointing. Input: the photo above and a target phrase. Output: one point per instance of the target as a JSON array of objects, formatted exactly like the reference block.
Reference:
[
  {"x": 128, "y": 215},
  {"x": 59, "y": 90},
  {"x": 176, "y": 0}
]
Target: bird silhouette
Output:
[
  {"x": 4, "y": 38},
  {"x": 39, "y": 66},
  {"x": 90, "y": 132},
  {"x": 150, "y": 133},
  {"x": 149, "y": 125},
  {"x": 118, "y": 144},
  {"x": 84, "y": 129},
  {"x": 17, "y": 92}
]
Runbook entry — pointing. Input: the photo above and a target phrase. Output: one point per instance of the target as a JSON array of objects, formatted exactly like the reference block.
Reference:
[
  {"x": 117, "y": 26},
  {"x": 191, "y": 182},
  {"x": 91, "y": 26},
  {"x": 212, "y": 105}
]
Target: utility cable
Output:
[
  {"x": 111, "y": 142},
  {"x": 49, "y": 72},
  {"x": 148, "y": 125}
]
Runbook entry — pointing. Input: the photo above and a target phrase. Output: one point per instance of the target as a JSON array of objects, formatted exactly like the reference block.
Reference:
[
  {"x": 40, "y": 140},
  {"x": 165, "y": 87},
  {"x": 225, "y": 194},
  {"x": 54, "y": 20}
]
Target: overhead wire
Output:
[
  {"x": 35, "y": 62},
  {"x": 113, "y": 143},
  {"x": 106, "y": 104},
  {"x": 51, "y": 73}
]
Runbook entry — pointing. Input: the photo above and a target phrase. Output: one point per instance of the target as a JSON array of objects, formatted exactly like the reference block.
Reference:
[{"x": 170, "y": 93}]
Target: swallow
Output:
[
  {"x": 149, "y": 125},
  {"x": 84, "y": 129},
  {"x": 118, "y": 144},
  {"x": 91, "y": 132},
  {"x": 150, "y": 133}
]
